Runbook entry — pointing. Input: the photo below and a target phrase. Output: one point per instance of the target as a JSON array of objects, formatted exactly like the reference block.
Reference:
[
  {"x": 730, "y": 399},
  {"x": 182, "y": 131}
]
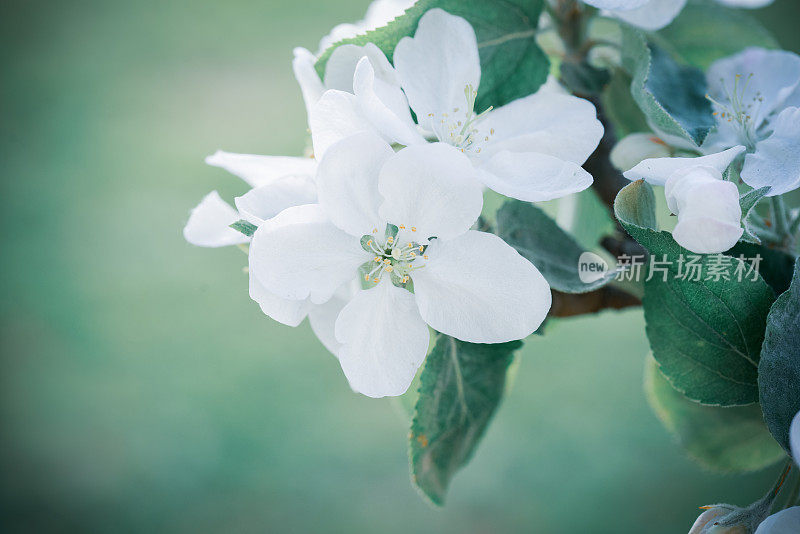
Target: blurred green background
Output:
[{"x": 142, "y": 390}]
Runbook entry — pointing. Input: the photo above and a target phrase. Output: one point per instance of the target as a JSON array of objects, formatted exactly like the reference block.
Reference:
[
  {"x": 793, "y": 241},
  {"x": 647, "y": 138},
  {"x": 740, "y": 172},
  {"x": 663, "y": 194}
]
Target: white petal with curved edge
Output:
[
  {"x": 547, "y": 122},
  {"x": 261, "y": 170},
  {"x": 436, "y": 65},
  {"x": 307, "y": 78},
  {"x": 300, "y": 254},
  {"x": 478, "y": 289},
  {"x": 378, "y": 14},
  {"x": 335, "y": 117},
  {"x": 533, "y": 177},
  {"x": 784, "y": 522},
  {"x": 209, "y": 222},
  {"x": 288, "y": 312},
  {"x": 708, "y": 210},
  {"x": 384, "y": 340},
  {"x": 432, "y": 188},
  {"x": 776, "y": 161},
  {"x": 655, "y": 15},
  {"x": 681, "y": 181},
  {"x": 348, "y": 182},
  {"x": 322, "y": 317},
  {"x": 656, "y": 171},
  {"x": 341, "y": 66},
  {"x": 637, "y": 147},
  {"x": 384, "y": 105},
  {"x": 767, "y": 79},
  {"x": 794, "y": 438},
  {"x": 264, "y": 202},
  {"x": 616, "y": 4}
]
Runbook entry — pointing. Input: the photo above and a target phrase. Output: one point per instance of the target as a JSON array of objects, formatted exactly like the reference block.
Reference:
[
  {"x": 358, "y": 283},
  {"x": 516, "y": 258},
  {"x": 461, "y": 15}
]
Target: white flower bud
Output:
[
  {"x": 706, "y": 523},
  {"x": 634, "y": 148}
]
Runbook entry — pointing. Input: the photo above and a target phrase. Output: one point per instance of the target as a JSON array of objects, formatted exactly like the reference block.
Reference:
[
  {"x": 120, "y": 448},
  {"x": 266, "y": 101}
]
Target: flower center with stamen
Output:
[
  {"x": 394, "y": 256},
  {"x": 740, "y": 109},
  {"x": 459, "y": 128}
]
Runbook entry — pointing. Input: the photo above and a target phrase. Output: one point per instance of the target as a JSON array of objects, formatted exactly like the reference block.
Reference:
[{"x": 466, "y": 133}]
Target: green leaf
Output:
[
  {"x": 779, "y": 370},
  {"x": 620, "y": 107},
  {"x": 689, "y": 38},
  {"x": 244, "y": 227},
  {"x": 705, "y": 332},
  {"x": 776, "y": 267},
  {"x": 671, "y": 96},
  {"x": 748, "y": 201},
  {"x": 722, "y": 439},
  {"x": 461, "y": 386},
  {"x": 553, "y": 251},
  {"x": 512, "y": 64}
]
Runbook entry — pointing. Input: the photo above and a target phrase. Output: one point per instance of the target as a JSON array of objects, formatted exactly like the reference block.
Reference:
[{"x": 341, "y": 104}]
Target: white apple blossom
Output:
[
  {"x": 340, "y": 68},
  {"x": 707, "y": 206},
  {"x": 756, "y": 95},
  {"x": 209, "y": 226},
  {"x": 656, "y": 14},
  {"x": 794, "y": 438},
  {"x": 399, "y": 222},
  {"x": 531, "y": 149}
]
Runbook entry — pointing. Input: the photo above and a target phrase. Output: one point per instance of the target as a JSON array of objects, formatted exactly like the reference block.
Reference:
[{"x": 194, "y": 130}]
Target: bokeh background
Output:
[{"x": 143, "y": 391}]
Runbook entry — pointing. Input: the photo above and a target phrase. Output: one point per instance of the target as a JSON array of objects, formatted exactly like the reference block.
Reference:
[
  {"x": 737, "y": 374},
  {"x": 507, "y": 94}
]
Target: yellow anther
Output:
[
  {"x": 377, "y": 259},
  {"x": 413, "y": 255},
  {"x": 366, "y": 277},
  {"x": 430, "y": 114},
  {"x": 391, "y": 239},
  {"x": 425, "y": 256},
  {"x": 402, "y": 227},
  {"x": 413, "y": 228},
  {"x": 388, "y": 268},
  {"x": 491, "y": 132},
  {"x": 374, "y": 230},
  {"x": 421, "y": 248},
  {"x": 376, "y": 280},
  {"x": 369, "y": 243}
]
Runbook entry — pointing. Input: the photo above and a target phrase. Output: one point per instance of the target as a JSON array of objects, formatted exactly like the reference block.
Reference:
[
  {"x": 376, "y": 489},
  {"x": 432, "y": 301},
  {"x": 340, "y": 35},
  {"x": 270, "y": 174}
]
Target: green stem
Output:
[
  {"x": 779, "y": 214},
  {"x": 793, "y": 494}
]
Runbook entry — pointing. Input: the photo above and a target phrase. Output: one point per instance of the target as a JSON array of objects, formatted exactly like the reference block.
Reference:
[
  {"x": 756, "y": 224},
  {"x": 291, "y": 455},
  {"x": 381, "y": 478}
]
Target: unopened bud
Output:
[{"x": 709, "y": 521}]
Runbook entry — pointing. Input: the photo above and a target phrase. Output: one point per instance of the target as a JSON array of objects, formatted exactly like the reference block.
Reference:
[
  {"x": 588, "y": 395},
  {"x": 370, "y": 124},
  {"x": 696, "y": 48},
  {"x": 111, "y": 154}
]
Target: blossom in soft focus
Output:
[
  {"x": 399, "y": 223},
  {"x": 705, "y": 523},
  {"x": 756, "y": 94},
  {"x": 531, "y": 149},
  {"x": 656, "y": 14},
  {"x": 784, "y": 522},
  {"x": 707, "y": 206}
]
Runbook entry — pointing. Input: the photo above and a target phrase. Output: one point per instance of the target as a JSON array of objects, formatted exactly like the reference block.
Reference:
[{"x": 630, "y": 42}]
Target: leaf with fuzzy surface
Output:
[
  {"x": 672, "y": 96},
  {"x": 542, "y": 242},
  {"x": 779, "y": 369},
  {"x": 461, "y": 386},
  {"x": 512, "y": 64},
  {"x": 731, "y": 439}
]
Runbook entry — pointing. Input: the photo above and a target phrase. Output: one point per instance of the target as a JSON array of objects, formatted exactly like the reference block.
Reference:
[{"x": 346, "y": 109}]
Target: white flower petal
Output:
[
  {"x": 384, "y": 340},
  {"x": 776, "y": 161},
  {"x": 288, "y": 312},
  {"x": 767, "y": 79},
  {"x": 437, "y": 64},
  {"x": 208, "y": 224},
  {"x": 547, "y": 122},
  {"x": 261, "y": 170},
  {"x": 384, "y": 104},
  {"x": 656, "y": 171},
  {"x": 432, "y": 188},
  {"x": 300, "y": 254},
  {"x": 654, "y": 15},
  {"x": 341, "y": 66},
  {"x": 307, "y": 77},
  {"x": 322, "y": 318},
  {"x": 794, "y": 438},
  {"x": 637, "y": 147},
  {"x": 616, "y": 4},
  {"x": 348, "y": 182},
  {"x": 708, "y": 210},
  {"x": 784, "y": 522},
  {"x": 264, "y": 202},
  {"x": 336, "y": 116},
  {"x": 533, "y": 177},
  {"x": 477, "y": 288}
]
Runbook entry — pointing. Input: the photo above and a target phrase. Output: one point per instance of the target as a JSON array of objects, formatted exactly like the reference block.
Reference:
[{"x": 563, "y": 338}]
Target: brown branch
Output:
[{"x": 570, "y": 305}]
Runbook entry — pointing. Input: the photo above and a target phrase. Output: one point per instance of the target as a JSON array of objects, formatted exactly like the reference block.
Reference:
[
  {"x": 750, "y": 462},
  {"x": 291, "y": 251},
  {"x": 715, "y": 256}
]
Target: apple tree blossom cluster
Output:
[{"x": 465, "y": 157}]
